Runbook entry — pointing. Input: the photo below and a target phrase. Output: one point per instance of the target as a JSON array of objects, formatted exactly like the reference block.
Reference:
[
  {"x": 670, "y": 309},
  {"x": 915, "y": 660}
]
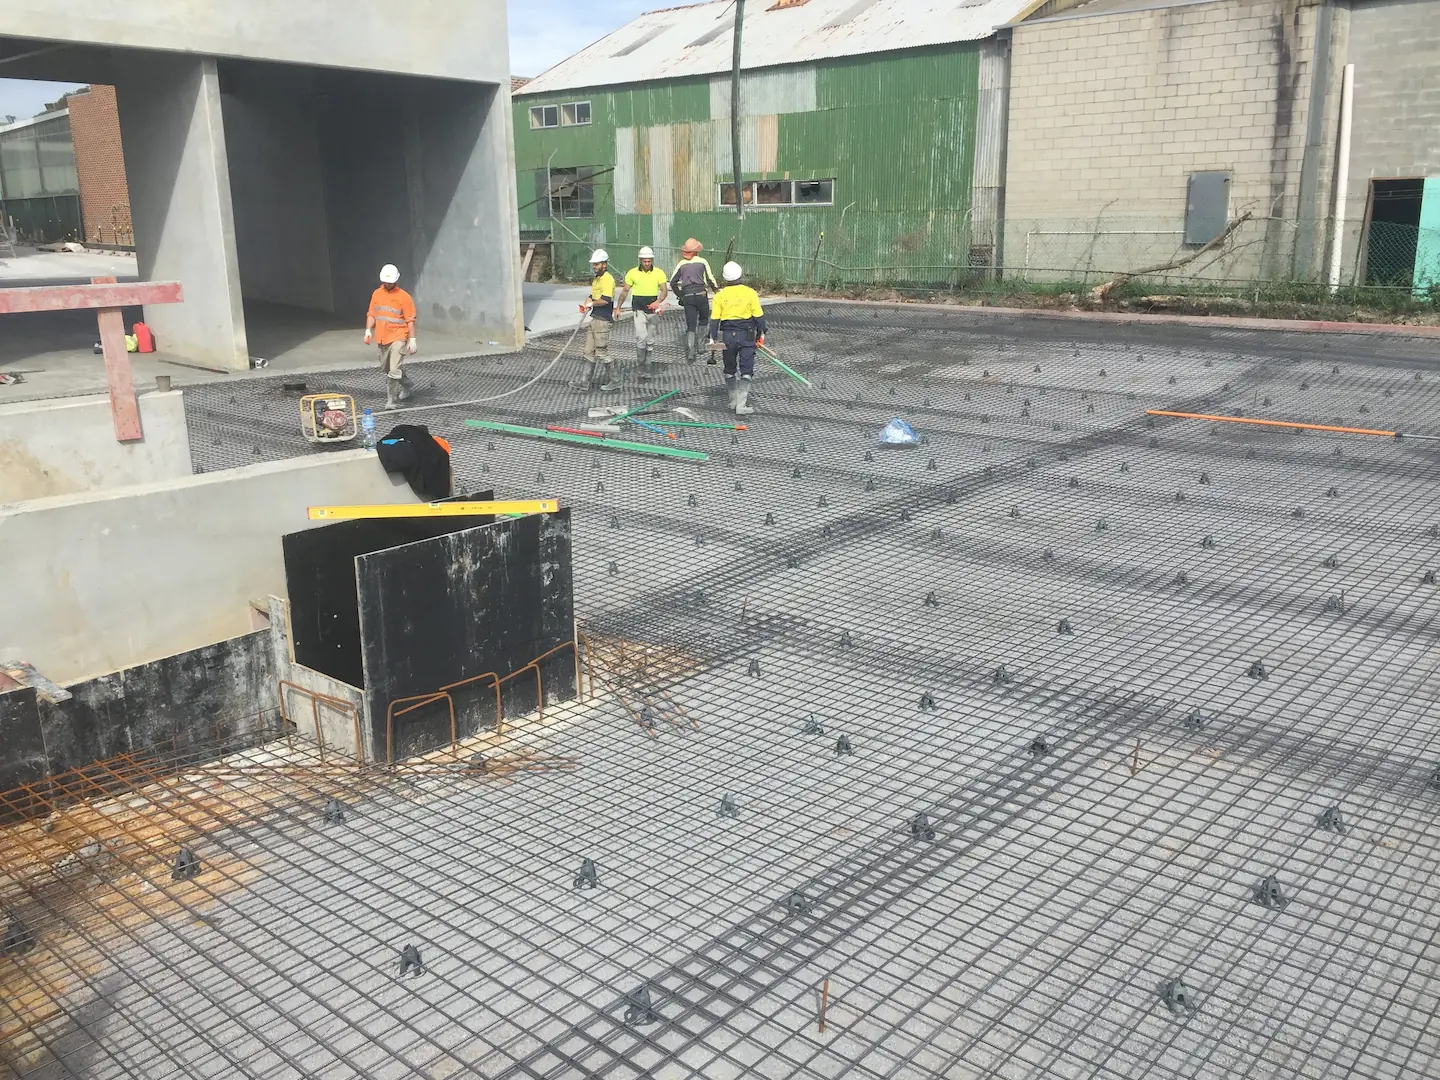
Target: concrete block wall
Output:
[
  {"x": 100, "y": 163},
  {"x": 1110, "y": 114},
  {"x": 1395, "y": 47}
]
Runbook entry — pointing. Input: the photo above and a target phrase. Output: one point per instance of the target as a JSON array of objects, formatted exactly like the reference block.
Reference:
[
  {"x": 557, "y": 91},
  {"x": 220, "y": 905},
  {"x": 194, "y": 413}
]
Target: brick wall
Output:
[
  {"x": 1111, "y": 113},
  {"x": 95, "y": 129}
]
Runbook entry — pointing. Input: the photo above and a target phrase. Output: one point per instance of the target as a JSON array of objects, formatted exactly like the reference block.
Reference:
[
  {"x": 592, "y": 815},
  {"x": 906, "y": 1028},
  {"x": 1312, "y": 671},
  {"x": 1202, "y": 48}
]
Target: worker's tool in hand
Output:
[
  {"x": 328, "y": 418},
  {"x": 434, "y": 509},
  {"x": 760, "y": 348}
]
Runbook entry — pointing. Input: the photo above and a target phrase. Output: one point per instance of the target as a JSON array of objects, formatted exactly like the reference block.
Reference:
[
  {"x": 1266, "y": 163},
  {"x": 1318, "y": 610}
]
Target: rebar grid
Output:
[{"x": 1105, "y": 792}]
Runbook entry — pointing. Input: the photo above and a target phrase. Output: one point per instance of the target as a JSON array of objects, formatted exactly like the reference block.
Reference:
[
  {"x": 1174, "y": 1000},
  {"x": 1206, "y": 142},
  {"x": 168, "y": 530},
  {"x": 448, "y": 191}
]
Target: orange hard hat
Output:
[{"x": 691, "y": 246}]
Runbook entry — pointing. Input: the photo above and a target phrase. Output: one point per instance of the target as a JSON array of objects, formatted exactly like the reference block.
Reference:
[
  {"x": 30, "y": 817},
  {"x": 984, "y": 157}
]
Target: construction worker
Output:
[
  {"x": 739, "y": 322},
  {"x": 648, "y": 288},
  {"x": 692, "y": 282},
  {"x": 600, "y": 309},
  {"x": 390, "y": 323}
]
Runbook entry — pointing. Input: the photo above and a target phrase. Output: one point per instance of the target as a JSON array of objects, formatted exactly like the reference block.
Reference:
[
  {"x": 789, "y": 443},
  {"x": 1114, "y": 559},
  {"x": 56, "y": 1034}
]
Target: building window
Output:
[
  {"x": 772, "y": 192},
  {"x": 544, "y": 116},
  {"x": 571, "y": 193},
  {"x": 575, "y": 113},
  {"x": 781, "y": 193},
  {"x": 814, "y": 192},
  {"x": 727, "y": 194}
]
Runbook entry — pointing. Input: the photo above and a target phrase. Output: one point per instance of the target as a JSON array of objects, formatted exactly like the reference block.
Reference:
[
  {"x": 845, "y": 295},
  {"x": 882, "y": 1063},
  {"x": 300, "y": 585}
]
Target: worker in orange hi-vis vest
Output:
[{"x": 390, "y": 323}]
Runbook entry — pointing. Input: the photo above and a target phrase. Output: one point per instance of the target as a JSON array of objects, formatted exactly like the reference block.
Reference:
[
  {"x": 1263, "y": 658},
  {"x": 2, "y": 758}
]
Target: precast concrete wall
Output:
[
  {"x": 107, "y": 580},
  {"x": 460, "y": 39},
  {"x": 174, "y": 139},
  {"x": 438, "y": 200},
  {"x": 282, "y": 235},
  {"x": 65, "y": 446}
]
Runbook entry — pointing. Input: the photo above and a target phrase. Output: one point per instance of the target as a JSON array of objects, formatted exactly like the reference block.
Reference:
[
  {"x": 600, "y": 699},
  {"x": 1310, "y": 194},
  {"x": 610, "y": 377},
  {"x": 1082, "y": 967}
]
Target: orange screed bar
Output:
[{"x": 1272, "y": 423}]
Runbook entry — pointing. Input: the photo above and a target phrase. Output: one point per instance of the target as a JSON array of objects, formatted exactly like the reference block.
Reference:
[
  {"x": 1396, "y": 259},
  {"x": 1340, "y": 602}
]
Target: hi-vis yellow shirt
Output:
[
  {"x": 736, "y": 302},
  {"x": 645, "y": 282},
  {"x": 602, "y": 297}
]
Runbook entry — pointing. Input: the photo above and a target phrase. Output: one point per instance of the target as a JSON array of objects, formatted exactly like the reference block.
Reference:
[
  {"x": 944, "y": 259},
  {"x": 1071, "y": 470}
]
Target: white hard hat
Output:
[
  {"x": 599, "y": 255},
  {"x": 647, "y": 253},
  {"x": 389, "y": 273},
  {"x": 730, "y": 271}
]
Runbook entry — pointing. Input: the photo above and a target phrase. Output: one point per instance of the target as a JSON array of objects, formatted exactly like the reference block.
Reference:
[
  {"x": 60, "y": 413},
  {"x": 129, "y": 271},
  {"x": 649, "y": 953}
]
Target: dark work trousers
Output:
[
  {"x": 739, "y": 351},
  {"x": 697, "y": 312}
]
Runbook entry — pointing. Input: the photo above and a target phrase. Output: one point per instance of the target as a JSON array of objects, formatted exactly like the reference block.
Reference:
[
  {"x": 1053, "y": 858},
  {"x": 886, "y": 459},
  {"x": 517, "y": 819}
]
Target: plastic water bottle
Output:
[{"x": 367, "y": 430}]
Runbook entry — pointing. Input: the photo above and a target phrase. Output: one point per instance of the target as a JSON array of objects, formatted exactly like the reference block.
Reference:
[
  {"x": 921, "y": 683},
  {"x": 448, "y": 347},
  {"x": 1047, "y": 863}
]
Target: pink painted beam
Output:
[
  {"x": 101, "y": 294},
  {"x": 124, "y": 409}
]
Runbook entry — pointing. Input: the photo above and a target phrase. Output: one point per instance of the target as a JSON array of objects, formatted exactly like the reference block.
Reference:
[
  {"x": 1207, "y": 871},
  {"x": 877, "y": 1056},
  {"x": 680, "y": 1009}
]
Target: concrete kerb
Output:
[{"x": 1220, "y": 322}]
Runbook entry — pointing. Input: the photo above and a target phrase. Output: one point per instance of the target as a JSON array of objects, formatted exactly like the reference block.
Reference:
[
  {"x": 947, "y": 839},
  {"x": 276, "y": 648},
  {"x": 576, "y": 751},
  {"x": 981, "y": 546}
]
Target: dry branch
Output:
[{"x": 1101, "y": 292}]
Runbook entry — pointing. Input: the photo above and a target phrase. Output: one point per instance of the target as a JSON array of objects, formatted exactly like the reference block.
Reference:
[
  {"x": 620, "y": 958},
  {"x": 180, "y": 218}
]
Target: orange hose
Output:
[{"x": 1271, "y": 423}]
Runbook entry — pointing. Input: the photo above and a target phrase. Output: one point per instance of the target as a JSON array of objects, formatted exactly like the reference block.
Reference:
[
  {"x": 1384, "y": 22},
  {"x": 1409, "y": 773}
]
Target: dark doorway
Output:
[{"x": 1394, "y": 230}]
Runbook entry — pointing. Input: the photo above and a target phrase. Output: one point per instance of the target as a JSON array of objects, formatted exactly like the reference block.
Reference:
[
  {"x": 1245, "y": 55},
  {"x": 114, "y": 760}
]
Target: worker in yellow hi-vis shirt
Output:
[
  {"x": 600, "y": 311},
  {"x": 647, "y": 286},
  {"x": 738, "y": 320}
]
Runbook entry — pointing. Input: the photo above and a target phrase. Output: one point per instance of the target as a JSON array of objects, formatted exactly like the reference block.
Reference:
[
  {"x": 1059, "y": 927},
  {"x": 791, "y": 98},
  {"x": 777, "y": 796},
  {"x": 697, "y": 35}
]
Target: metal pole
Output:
[
  {"x": 735, "y": 111},
  {"x": 1342, "y": 175}
]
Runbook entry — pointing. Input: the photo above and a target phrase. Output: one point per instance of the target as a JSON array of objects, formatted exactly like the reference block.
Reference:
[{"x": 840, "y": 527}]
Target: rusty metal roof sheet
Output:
[{"x": 696, "y": 40}]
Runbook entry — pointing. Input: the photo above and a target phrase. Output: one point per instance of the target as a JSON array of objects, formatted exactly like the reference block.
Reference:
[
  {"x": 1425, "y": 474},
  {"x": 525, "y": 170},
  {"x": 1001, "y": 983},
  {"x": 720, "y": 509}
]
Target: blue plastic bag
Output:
[{"x": 899, "y": 433}]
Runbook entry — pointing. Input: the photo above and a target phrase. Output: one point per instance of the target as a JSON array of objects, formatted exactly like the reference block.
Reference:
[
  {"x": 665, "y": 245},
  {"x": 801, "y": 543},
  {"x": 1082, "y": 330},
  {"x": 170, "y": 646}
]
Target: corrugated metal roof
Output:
[
  {"x": 39, "y": 118},
  {"x": 696, "y": 40}
]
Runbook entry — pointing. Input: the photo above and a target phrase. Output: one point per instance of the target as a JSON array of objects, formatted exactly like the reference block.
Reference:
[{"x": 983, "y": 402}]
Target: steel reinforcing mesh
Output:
[{"x": 1123, "y": 666}]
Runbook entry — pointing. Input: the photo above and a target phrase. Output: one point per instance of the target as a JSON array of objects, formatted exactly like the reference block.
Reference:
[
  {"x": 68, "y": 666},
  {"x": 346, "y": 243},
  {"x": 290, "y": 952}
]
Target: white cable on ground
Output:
[{"x": 493, "y": 397}]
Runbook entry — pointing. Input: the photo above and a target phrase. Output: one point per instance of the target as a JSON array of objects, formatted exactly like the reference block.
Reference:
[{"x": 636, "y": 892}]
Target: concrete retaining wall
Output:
[
  {"x": 67, "y": 446},
  {"x": 102, "y": 581}
]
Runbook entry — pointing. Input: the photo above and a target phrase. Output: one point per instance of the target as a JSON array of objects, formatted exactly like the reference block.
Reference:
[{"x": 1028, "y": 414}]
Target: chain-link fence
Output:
[{"x": 1255, "y": 259}]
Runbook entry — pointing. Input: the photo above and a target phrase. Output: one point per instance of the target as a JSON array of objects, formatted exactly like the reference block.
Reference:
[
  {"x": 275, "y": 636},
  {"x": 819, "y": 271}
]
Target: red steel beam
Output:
[
  {"x": 101, "y": 294},
  {"x": 124, "y": 409}
]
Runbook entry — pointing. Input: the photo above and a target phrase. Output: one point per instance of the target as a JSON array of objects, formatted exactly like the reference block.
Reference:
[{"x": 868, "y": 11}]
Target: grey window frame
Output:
[
  {"x": 542, "y": 126},
  {"x": 752, "y": 187}
]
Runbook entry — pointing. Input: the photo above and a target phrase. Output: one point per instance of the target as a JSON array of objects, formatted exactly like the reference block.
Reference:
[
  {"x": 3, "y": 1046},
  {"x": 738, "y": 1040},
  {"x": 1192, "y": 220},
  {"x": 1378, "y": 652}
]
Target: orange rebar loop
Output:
[{"x": 446, "y": 694}]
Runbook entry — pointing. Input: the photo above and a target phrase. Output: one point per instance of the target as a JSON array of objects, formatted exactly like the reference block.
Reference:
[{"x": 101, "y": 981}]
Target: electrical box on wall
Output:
[{"x": 1207, "y": 206}]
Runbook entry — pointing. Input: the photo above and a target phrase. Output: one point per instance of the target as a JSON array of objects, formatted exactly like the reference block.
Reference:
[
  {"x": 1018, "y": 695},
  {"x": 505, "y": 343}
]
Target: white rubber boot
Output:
[{"x": 742, "y": 396}]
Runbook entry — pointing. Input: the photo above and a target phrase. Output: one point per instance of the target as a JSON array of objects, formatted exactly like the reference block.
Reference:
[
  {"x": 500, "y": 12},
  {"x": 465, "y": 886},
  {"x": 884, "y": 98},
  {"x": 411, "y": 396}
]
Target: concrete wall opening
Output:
[
  {"x": 62, "y": 172},
  {"x": 274, "y": 191},
  {"x": 1394, "y": 226}
]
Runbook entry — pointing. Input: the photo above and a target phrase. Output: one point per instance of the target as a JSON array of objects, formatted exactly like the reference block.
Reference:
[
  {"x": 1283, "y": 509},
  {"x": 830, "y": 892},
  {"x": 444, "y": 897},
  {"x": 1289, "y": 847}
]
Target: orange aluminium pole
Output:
[{"x": 1280, "y": 423}]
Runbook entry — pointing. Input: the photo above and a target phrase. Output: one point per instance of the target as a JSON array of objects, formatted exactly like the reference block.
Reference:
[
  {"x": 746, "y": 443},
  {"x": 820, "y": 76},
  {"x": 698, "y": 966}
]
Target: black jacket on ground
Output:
[{"x": 412, "y": 451}]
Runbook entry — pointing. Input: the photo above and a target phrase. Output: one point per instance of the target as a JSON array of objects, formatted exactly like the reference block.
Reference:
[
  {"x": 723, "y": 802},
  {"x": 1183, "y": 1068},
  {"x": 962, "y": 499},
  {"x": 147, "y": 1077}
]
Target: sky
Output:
[
  {"x": 542, "y": 33},
  {"x": 23, "y": 99}
]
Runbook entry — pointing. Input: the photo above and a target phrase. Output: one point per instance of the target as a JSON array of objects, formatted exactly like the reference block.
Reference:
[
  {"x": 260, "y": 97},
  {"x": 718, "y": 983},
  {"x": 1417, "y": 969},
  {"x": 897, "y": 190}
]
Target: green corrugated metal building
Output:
[{"x": 871, "y": 134}]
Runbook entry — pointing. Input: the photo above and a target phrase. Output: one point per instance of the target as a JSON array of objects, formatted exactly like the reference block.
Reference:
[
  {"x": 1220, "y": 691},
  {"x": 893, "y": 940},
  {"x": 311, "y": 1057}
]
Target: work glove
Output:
[
  {"x": 367, "y": 337},
  {"x": 413, "y": 346},
  {"x": 760, "y": 340}
]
